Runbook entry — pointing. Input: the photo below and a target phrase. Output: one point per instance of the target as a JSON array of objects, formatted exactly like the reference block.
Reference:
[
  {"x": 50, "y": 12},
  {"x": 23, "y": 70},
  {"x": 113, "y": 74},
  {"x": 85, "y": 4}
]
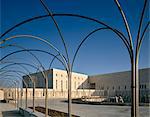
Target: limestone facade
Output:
[{"x": 105, "y": 85}]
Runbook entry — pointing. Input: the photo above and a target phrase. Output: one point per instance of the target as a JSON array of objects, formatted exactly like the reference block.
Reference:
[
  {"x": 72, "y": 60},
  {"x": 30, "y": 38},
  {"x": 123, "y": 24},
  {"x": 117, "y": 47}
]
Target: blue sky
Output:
[{"x": 102, "y": 53}]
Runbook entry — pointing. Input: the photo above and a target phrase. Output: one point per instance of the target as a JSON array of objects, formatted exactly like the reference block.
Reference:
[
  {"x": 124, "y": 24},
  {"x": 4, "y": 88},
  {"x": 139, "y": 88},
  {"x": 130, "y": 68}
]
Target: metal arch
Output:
[
  {"x": 125, "y": 22},
  {"x": 22, "y": 67},
  {"x": 94, "y": 31},
  {"x": 32, "y": 50},
  {"x": 135, "y": 107},
  {"x": 21, "y": 47},
  {"x": 53, "y": 60},
  {"x": 65, "y": 15},
  {"x": 26, "y": 98},
  {"x": 15, "y": 84},
  {"x": 31, "y": 80},
  {"x": 139, "y": 40},
  {"x": 46, "y": 82},
  {"x": 36, "y": 38},
  {"x": 58, "y": 29},
  {"x": 134, "y": 60},
  {"x": 18, "y": 74},
  {"x": 140, "y": 26},
  {"x": 142, "y": 36},
  {"x": 14, "y": 71},
  {"x": 17, "y": 77},
  {"x": 31, "y": 54},
  {"x": 10, "y": 80},
  {"x": 33, "y": 64},
  {"x": 11, "y": 64},
  {"x": 69, "y": 70},
  {"x": 20, "y": 64}
]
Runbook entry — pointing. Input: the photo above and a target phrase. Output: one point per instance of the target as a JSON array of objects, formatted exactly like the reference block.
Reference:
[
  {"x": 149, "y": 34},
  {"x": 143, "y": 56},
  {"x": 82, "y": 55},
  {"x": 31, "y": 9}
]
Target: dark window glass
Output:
[{"x": 145, "y": 86}]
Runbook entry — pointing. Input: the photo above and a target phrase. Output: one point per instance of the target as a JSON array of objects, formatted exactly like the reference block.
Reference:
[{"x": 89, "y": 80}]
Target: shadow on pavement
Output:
[{"x": 13, "y": 113}]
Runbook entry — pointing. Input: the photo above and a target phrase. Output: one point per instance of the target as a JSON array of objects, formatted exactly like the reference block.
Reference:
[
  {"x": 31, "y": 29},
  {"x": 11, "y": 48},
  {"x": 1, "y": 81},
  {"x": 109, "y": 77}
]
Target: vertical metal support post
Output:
[
  {"x": 26, "y": 100},
  {"x": 18, "y": 98},
  {"x": 137, "y": 88},
  {"x": 21, "y": 97},
  {"x": 15, "y": 97},
  {"x": 69, "y": 91},
  {"x": 33, "y": 96},
  {"x": 46, "y": 96},
  {"x": 132, "y": 88}
]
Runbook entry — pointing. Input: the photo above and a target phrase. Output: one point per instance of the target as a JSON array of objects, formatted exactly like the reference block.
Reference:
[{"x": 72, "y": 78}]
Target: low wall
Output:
[
  {"x": 40, "y": 93},
  {"x": 29, "y": 113}
]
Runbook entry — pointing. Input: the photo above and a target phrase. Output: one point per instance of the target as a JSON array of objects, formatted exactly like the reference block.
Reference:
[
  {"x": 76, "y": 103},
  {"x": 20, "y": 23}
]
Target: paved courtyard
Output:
[
  {"x": 92, "y": 110},
  {"x": 8, "y": 110}
]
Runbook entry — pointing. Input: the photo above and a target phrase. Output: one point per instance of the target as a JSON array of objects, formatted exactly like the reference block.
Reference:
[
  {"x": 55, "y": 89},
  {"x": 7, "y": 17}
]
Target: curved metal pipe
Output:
[
  {"x": 26, "y": 98},
  {"x": 15, "y": 83},
  {"x": 36, "y": 38},
  {"x": 32, "y": 50},
  {"x": 125, "y": 22},
  {"x": 94, "y": 31},
  {"x": 62, "y": 14}
]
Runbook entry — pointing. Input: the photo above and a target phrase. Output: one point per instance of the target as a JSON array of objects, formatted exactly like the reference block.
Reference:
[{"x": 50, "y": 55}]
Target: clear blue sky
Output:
[{"x": 102, "y": 53}]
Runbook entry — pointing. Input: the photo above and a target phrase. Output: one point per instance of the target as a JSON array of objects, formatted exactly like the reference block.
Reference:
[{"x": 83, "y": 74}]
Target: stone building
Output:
[
  {"x": 58, "y": 84},
  {"x": 104, "y": 85},
  {"x": 119, "y": 83}
]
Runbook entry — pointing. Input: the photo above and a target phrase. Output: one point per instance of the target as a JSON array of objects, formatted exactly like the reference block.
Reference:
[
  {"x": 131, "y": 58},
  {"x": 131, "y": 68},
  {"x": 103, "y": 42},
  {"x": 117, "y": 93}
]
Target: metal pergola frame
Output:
[{"x": 128, "y": 42}]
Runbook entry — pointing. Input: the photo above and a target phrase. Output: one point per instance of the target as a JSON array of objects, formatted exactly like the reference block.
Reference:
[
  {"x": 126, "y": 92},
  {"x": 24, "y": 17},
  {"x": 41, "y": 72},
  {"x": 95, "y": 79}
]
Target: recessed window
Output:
[
  {"x": 56, "y": 74},
  {"x": 125, "y": 87},
  {"x": 119, "y": 87},
  {"x": 141, "y": 86},
  {"x": 145, "y": 86},
  {"x": 56, "y": 84},
  {"x": 61, "y": 85},
  {"x": 61, "y": 75},
  {"x": 113, "y": 87}
]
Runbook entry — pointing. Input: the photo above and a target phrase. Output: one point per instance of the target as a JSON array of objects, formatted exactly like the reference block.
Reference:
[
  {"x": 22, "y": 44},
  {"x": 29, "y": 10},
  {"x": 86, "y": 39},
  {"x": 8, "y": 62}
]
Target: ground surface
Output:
[
  {"x": 92, "y": 110},
  {"x": 8, "y": 110}
]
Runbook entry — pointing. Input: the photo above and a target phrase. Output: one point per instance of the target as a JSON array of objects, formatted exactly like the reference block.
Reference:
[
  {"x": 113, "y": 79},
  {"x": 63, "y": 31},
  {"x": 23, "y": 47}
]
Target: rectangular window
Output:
[
  {"x": 61, "y": 85},
  {"x": 125, "y": 87},
  {"x": 145, "y": 86},
  {"x": 56, "y": 84}
]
